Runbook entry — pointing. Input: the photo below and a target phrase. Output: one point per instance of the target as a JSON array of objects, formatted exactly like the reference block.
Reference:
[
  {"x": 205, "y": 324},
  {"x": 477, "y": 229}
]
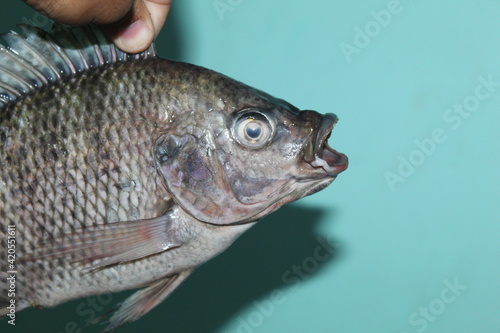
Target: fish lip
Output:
[{"x": 319, "y": 154}]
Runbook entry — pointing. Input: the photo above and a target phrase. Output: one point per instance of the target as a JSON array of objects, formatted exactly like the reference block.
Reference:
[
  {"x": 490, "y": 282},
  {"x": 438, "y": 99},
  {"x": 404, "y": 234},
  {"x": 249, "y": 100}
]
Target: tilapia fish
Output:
[{"x": 122, "y": 171}]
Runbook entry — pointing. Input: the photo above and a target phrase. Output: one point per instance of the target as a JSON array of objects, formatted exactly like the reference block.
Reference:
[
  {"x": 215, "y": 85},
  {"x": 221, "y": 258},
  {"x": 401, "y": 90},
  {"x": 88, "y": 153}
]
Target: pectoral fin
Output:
[
  {"x": 144, "y": 300},
  {"x": 113, "y": 243}
]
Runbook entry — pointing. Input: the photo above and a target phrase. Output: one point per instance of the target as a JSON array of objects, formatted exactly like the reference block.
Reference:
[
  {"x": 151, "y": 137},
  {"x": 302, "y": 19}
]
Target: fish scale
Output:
[{"x": 79, "y": 162}]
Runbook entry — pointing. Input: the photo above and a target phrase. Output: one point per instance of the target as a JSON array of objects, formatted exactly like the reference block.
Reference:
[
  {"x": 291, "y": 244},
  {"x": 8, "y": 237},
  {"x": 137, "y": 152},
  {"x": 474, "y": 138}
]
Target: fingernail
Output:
[{"x": 135, "y": 38}]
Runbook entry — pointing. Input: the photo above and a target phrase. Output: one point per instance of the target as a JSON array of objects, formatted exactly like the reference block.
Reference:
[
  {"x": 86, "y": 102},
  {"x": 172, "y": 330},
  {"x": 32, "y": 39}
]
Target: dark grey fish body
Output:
[{"x": 133, "y": 172}]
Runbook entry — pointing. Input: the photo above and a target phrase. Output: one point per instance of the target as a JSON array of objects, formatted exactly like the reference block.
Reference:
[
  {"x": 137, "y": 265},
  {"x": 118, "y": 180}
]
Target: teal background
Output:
[{"x": 396, "y": 250}]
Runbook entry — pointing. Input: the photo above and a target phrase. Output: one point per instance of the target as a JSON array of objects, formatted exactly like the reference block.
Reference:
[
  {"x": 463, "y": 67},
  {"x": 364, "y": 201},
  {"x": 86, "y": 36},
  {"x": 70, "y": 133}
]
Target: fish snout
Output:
[{"x": 317, "y": 152}]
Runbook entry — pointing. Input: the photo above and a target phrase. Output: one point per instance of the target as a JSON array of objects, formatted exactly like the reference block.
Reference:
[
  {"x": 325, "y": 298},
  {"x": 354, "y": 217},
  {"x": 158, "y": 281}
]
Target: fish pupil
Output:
[{"x": 253, "y": 130}]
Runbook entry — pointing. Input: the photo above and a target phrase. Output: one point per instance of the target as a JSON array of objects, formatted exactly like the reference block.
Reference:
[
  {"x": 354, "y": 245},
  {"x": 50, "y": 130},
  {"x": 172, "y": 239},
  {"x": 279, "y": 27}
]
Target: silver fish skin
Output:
[{"x": 126, "y": 171}]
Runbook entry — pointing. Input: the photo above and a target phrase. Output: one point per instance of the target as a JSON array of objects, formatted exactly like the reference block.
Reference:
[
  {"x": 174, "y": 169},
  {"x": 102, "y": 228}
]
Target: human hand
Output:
[{"x": 131, "y": 24}]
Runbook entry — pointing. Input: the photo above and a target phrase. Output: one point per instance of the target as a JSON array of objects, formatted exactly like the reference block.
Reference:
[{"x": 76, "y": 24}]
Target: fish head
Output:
[{"x": 242, "y": 159}]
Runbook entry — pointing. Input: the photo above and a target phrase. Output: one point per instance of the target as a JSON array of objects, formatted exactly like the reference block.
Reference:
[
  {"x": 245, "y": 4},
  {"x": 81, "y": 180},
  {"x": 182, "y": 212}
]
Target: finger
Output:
[
  {"x": 136, "y": 23},
  {"x": 159, "y": 11},
  {"x": 135, "y": 32},
  {"x": 82, "y": 11}
]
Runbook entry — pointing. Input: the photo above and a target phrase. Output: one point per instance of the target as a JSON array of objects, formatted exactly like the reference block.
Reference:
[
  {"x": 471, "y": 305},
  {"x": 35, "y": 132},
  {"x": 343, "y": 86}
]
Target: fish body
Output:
[{"x": 126, "y": 171}]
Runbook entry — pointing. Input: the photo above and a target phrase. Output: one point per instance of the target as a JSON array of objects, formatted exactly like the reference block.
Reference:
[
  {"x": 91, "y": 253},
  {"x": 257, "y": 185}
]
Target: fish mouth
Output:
[{"x": 318, "y": 153}]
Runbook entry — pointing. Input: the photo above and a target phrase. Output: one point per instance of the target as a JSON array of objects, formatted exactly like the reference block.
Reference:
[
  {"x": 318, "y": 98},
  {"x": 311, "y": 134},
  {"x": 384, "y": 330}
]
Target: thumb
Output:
[
  {"x": 136, "y": 31},
  {"x": 158, "y": 9}
]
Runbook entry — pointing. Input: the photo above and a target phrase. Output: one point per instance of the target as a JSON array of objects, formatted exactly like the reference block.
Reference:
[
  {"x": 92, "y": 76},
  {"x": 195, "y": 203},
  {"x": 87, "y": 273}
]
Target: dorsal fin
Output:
[{"x": 36, "y": 58}]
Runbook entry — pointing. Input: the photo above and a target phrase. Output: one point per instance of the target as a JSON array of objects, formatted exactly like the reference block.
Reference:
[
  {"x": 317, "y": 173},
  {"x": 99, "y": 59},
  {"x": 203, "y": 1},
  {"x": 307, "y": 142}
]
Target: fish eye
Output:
[{"x": 253, "y": 130}]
